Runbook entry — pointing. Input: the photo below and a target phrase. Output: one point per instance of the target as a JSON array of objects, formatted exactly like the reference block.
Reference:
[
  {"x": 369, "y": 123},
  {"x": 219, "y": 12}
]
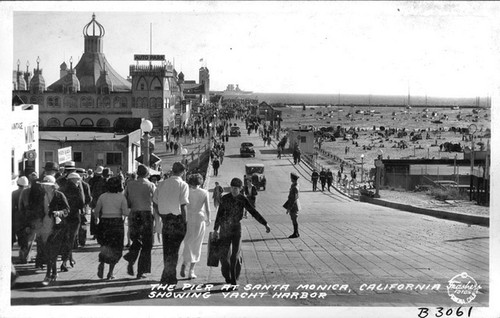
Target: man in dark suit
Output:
[{"x": 292, "y": 205}]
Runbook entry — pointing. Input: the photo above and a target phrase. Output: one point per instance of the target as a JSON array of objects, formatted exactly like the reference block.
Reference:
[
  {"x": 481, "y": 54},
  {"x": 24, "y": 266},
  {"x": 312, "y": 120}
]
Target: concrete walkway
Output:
[{"x": 349, "y": 254}]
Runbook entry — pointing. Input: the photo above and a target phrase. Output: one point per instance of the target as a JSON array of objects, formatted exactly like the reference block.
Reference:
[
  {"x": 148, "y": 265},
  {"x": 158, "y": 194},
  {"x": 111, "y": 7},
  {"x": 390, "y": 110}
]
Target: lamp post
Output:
[
  {"x": 472, "y": 130},
  {"x": 146, "y": 127},
  {"x": 362, "y": 164}
]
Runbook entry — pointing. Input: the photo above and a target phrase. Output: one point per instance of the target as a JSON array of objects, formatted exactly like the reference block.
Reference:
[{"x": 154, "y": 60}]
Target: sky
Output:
[{"x": 427, "y": 48}]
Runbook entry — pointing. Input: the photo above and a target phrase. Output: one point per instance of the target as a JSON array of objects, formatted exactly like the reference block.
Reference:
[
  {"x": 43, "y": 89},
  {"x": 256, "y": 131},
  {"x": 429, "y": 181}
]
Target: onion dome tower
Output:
[
  {"x": 20, "y": 81},
  {"x": 71, "y": 84},
  {"x": 91, "y": 64},
  {"x": 37, "y": 84},
  {"x": 104, "y": 84},
  {"x": 63, "y": 70},
  {"x": 181, "y": 77},
  {"x": 27, "y": 75}
]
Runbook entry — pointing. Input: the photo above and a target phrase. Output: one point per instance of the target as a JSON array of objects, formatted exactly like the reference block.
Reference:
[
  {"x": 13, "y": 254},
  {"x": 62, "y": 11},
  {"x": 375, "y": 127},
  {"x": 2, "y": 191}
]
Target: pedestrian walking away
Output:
[
  {"x": 250, "y": 191},
  {"x": 111, "y": 208},
  {"x": 228, "y": 228},
  {"x": 18, "y": 218},
  {"x": 139, "y": 195},
  {"x": 216, "y": 165},
  {"x": 329, "y": 178},
  {"x": 217, "y": 195},
  {"x": 292, "y": 205},
  {"x": 169, "y": 201},
  {"x": 198, "y": 218},
  {"x": 322, "y": 179},
  {"x": 314, "y": 179},
  {"x": 76, "y": 200}
]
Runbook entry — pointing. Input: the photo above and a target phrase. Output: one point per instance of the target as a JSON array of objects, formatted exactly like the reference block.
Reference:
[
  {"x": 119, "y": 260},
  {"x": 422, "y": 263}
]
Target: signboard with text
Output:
[
  {"x": 64, "y": 155},
  {"x": 149, "y": 57}
]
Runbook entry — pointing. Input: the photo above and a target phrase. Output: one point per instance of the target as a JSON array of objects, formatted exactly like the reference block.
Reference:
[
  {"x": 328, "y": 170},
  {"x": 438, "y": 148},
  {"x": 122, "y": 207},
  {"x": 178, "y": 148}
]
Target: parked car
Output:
[
  {"x": 255, "y": 172},
  {"x": 246, "y": 149},
  {"x": 235, "y": 131}
]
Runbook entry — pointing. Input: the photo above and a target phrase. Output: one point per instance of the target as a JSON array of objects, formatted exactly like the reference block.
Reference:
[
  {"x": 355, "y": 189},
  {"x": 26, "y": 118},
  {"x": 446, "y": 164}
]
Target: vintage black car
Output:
[
  {"x": 235, "y": 131},
  {"x": 246, "y": 149},
  {"x": 255, "y": 172}
]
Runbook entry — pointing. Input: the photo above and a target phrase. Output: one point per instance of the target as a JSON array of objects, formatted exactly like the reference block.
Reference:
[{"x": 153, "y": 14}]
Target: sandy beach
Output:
[{"x": 363, "y": 119}]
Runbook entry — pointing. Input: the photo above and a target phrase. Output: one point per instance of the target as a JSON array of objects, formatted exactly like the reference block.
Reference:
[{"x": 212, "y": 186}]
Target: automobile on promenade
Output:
[
  {"x": 246, "y": 149},
  {"x": 235, "y": 131},
  {"x": 255, "y": 172}
]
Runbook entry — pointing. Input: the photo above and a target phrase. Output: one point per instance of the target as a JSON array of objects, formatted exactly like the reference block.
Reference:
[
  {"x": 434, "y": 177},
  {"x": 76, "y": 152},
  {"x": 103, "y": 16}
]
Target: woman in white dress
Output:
[{"x": 198, "y": 217}]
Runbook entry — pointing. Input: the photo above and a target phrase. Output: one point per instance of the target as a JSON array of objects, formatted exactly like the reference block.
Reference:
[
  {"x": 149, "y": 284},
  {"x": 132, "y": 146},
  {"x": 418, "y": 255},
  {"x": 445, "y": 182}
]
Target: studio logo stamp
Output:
[{"x": 462, "y": 288}]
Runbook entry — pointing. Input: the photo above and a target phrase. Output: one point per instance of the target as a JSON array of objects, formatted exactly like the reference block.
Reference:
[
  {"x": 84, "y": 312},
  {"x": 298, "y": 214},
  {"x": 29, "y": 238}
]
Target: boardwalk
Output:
[{"x": 349, "y": 254}]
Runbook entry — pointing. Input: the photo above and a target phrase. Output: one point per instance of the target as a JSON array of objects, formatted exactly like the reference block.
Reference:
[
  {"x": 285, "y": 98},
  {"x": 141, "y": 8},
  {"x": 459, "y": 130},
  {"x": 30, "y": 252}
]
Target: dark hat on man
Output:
[
  {"x": 294, "y": 176},
  {"x": 178, "y": 167},
  {"x": 236, "y": 182},
  {"x": 106, "y": 172},
  {"x": 51, "y": 166}
]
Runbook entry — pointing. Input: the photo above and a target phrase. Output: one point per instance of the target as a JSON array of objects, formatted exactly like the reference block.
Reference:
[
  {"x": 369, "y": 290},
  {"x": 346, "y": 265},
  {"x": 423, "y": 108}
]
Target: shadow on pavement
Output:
[
  {"x": 101, "y": 298},
  {"x": 266, "y": 239},
  {"x": 65, "y": 286},
  {"x": 470, "y": 238}
]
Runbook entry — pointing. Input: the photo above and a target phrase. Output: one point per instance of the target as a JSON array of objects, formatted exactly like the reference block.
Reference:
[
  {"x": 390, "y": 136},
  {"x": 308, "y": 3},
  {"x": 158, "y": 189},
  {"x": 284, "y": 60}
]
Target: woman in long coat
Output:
[
  {"x": 110, "y": 210},
  {"x": 198, "y": 217},
  {"x": 53, "y": 229}
]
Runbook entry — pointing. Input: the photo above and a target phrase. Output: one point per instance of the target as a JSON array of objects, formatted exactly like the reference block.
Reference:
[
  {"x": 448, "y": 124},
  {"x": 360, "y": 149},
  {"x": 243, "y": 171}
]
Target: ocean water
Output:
[{"x": 367, "y": 100}]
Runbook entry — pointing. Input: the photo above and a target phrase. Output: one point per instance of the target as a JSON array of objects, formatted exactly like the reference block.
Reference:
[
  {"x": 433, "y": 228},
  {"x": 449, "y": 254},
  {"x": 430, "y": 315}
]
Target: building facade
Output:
[
  {"x": 91, "y": 149},
  {"x": 93, "y": 95}
]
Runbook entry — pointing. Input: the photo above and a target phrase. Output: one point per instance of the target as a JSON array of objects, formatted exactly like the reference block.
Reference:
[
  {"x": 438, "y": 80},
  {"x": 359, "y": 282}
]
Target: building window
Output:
[
  {"x": 53, "y": 122},
  {"x": 124, "y": 102},
  {"x": 87, "y": 122},
  {"x": 141, "y": 85},
  {"x": 116, "y": 102},
  {"x": 57, "y": 102},
  {"x": 77, "y": 156},
  {"x": 87, "y": 102},
  {"x": 70, "y": 122},
  {"x": 152, "y": 102},
  {"x": 70, "y": 102},
  {"x": 302, "y": 139},
  {"x": 103, "y": 122},
  {"x": 114, "y": 158},
  {"x": 156, "y": 85},
  {"x": 48, "y": 156},
  {"x": 106, "y": 102}
]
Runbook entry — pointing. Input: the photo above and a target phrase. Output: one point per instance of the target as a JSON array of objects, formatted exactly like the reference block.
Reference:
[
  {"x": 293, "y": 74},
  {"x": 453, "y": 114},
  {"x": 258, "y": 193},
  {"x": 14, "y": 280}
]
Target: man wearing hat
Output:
[
  {"x": 169, "y": 201},
  {"x": 69, "y": 167},
  {"x": 82, "y": 234},
  {"x": 97, "y": 187},
  {"x": 228, "y": 220},
  {"x": 32, "y": 200},
  {"x": 292, "y": 205},
  {"x": 18, "y": 233},
  {"x": 73, "y": 191}
]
